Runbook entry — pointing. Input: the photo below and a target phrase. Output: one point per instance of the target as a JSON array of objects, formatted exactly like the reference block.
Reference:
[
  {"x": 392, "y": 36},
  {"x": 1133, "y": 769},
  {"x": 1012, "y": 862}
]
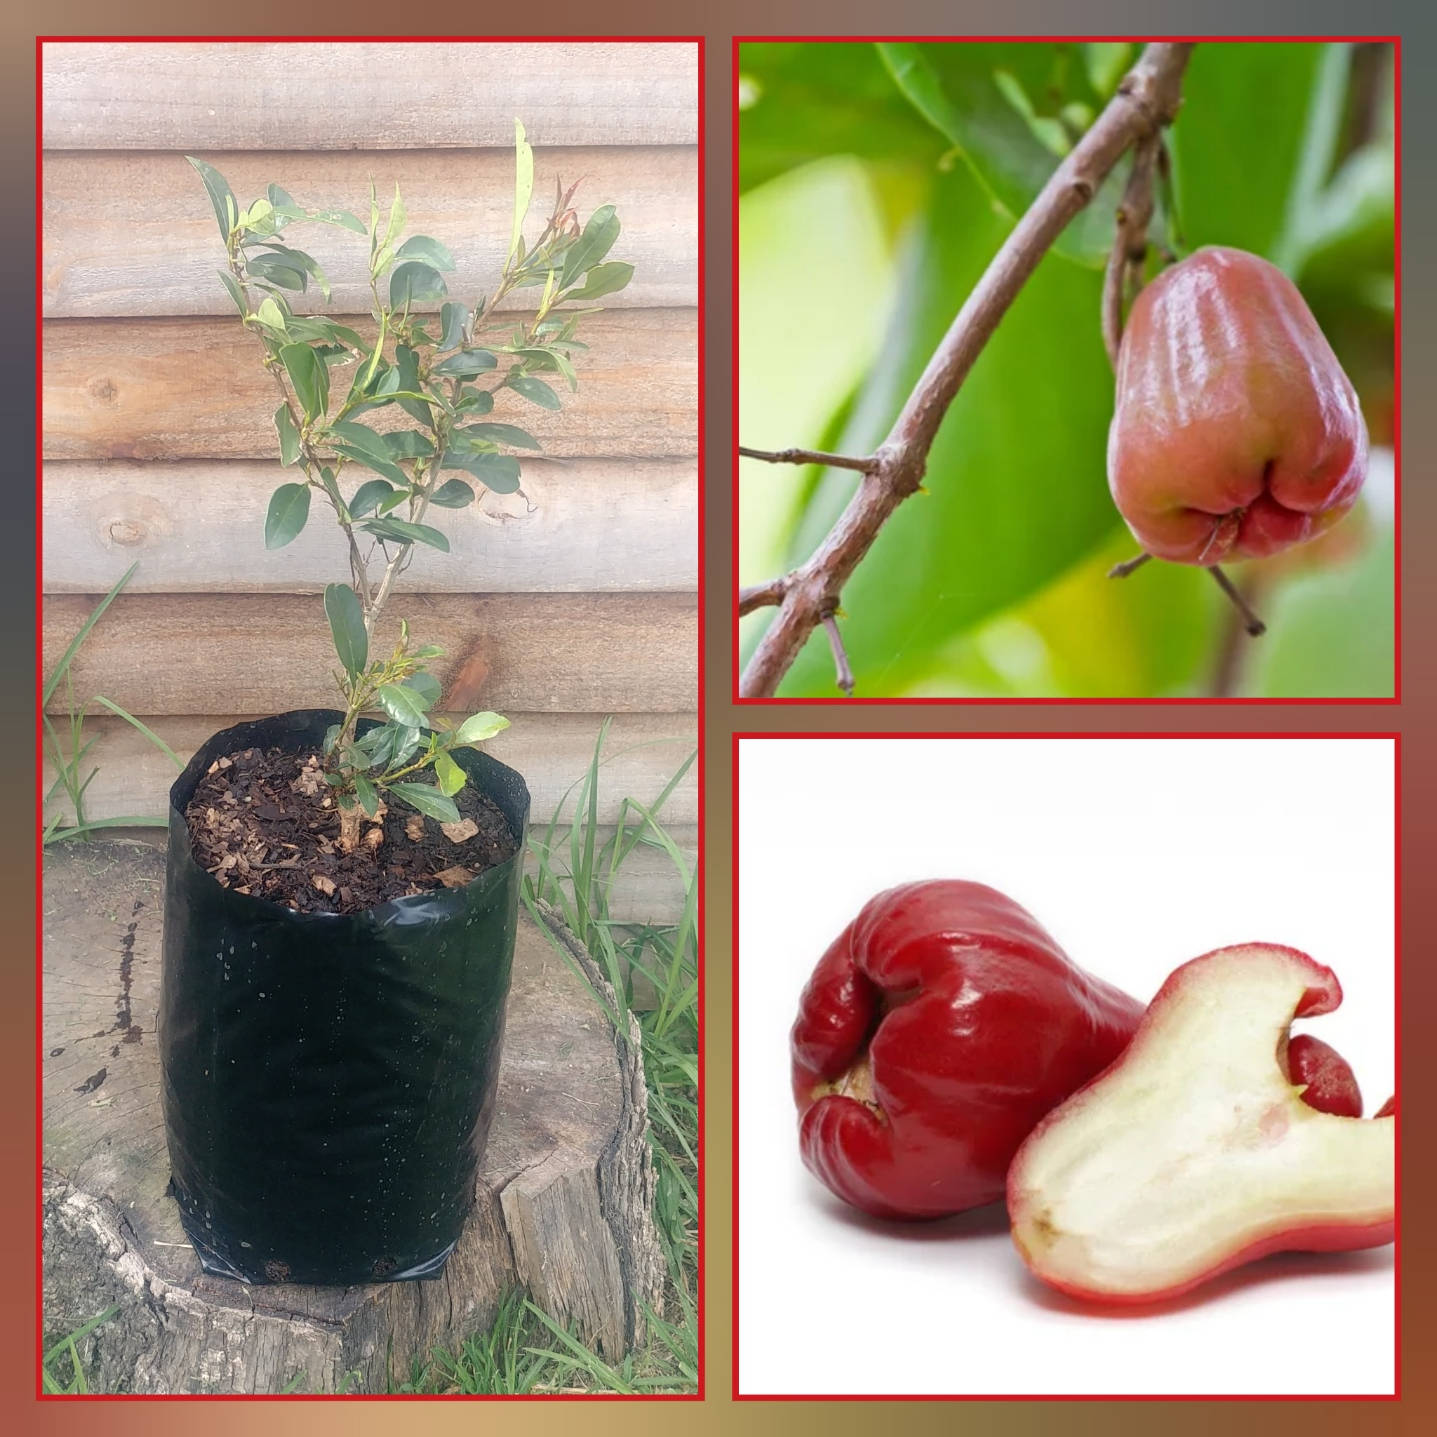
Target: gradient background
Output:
[{"x": 1416, "y": 719}]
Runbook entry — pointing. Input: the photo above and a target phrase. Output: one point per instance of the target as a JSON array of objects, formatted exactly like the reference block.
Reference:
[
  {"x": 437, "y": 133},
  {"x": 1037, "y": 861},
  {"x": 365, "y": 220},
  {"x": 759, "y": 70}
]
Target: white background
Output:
[{"x": 1136, "y": 854}]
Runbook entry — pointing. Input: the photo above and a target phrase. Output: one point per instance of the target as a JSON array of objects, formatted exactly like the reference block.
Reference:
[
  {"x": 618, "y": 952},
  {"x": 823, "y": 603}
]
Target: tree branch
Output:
[{"x": 1147, "y": 99}]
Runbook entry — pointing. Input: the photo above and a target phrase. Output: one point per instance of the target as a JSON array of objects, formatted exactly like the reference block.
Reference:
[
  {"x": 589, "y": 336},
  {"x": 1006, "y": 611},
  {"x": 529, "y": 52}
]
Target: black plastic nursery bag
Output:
[{"x": 328, "y": 1079}]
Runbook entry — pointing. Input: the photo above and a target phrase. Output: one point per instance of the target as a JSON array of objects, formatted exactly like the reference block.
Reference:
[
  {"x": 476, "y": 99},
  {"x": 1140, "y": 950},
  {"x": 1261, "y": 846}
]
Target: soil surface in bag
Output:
[
  {"x": 328, "y": 1079},
  {"x": 264, "y": 822}
]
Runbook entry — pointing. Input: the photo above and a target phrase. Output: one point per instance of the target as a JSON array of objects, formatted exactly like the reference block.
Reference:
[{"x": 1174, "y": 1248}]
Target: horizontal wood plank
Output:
[
  {"x": 589, "y": 525},
  {"x": 194, "y": 388},
  {"x": 252, "y": 653},
  {"x": 552, "y": 751},
  {"x": 134, "y": 234},
  {"x": 386, "y": 95}
]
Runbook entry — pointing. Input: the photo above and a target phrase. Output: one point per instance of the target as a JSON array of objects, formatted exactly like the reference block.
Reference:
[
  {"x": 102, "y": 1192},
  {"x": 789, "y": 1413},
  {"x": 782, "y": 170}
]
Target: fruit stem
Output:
[{"x": 1251, "y": 622}]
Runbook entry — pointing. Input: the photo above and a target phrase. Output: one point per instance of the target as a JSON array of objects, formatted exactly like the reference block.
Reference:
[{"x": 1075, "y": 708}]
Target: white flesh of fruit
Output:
[{"x": 1194, "y": 1146}]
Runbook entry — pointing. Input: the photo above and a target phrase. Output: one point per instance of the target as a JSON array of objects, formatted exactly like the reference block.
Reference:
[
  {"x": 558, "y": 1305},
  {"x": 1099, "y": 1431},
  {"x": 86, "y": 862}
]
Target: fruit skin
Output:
[
  {"x": 1235, "y": 432},
  {"x": 979, "y": 1024},
  {"x": 1037, "y": 1213}
]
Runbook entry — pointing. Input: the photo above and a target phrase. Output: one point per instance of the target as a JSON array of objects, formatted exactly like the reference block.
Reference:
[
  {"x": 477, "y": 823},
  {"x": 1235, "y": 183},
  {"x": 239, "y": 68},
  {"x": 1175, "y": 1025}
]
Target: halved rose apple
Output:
[{"x": 1194, "y": 1152}]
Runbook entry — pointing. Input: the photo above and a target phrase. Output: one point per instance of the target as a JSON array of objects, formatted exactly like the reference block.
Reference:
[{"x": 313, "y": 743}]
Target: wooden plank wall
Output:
[{"x": 571, "y": 601}]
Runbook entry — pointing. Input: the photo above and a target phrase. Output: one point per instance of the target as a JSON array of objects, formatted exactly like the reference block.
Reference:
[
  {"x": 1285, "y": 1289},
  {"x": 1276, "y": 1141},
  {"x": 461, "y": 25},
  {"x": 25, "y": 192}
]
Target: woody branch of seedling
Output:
[{"x": 445, "y": 372}]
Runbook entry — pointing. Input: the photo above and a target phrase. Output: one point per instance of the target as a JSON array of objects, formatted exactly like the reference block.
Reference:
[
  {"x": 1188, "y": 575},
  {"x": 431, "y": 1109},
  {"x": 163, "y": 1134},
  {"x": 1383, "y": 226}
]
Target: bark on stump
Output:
[{"x": 563, "y": 1203}]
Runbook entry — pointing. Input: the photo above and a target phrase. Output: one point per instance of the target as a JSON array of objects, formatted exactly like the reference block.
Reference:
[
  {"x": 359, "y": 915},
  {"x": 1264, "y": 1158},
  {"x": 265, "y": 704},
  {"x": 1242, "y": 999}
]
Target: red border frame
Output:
[
  {"x": 40, "y": 42},
  {"x": 1394, "y": 1396},
  {"x": 1198, "y": 700}
]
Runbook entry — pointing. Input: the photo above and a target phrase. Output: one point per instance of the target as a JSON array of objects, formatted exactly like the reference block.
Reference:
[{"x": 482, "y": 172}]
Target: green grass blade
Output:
[{"x": 63, "y": 667}]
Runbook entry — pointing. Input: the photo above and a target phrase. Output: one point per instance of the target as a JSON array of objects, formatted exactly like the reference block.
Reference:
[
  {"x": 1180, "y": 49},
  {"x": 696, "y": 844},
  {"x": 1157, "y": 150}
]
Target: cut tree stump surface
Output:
[{"x": 563, "y": 1203}]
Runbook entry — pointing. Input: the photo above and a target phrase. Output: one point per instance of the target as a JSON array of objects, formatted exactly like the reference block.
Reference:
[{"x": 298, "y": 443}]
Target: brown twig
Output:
[
  {"x": 810, "y": 456},
  {"x": 842, "y": 670},
  {"x": 1128, "y": 566},
  {"x": 1130, "y": 243},
  {"x": 1251, "y": 622},
  {"x": 758, "y": 596},
  {"x": 1146, "y": 100}
]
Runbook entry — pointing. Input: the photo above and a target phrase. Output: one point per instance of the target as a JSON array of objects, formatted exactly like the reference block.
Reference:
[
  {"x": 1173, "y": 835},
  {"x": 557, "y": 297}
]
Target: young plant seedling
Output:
[
  {"x": 1194, "y": 1152},
  {"x": 445, "y": 373}
]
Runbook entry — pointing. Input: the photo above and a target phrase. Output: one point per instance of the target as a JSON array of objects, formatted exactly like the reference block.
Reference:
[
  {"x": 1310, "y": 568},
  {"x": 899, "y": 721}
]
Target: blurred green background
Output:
[{"x": 877, "y": 181}]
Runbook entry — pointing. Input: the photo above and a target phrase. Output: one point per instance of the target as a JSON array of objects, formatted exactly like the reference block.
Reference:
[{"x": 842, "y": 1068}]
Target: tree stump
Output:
[{"x": 563, "y": 1203}]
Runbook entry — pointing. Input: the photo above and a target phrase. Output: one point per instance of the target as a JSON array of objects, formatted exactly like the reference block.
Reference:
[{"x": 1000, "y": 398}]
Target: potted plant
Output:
[{"x": 342, "y": 884}]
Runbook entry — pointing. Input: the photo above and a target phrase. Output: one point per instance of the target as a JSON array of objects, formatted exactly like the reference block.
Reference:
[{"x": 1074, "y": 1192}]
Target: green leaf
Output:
[
  {"x": 450, "y": 776},
  {"x": 427, "y": 799},
  {"x": 1016, "y": 483},
  {"x": 509, "y": 434},
  {"x": 415, "y": 283},
  {"x": 363, "y": 444},
  {"x": 465, "y": 365},
  {"x": 603, "y": 279},
  {"x": 270, "y": 314},
  {"x": 452, "y": 319},
  {"x": 534, "y": 390},
  {"x": 288, "y": 512},
  {"x": 1005, "y": 106},
  {"x": 426, "y": 685},
  {"x": 370, "y": 493},
  {"x": 523, "y": 185},
  {"x": 427, "y": 249},
  {"x": 289, "y": 448},
  {"x": 808, "y": 100},
  {"x": 591, "y": 246},
  {"x": 310, "y": 377},
  {"x": 346, "y": 625},
  {"x": 367, "y": 794},
  {"x": 408, "y": 444},
  {"x": 221, "y": 196},
  {"x": 402, "y": 704},
  {"x": 403, "y": 530},
  {"x": 297, "y": 259},
  {"x": 235, "y": 292},
  {"x": 452, "y": 494},
  {"x": 498, "y": 472},
  {"x": 277, "y": 270},
  {"x": 475, "y": 401},
  {"x": 406, "y": 361},
  {"x": 342, "y": 218},
  {"x": 1229, "y": 94},
  {"x": 479, "y": 727}
]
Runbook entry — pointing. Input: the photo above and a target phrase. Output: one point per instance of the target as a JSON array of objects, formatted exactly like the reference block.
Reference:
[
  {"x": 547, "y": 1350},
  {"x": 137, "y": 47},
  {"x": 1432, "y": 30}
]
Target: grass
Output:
[
  {"x": 67, "y": 747},
  {"x": 653, "y": 971},
  {"x": 52, "y": 1374}
]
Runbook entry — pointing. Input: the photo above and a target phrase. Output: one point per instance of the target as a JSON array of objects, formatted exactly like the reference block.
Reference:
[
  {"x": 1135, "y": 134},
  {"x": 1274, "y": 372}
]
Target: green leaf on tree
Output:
[
  {"x": 534, "y": 390},
  {"x": 221, "y": 196},
  {"x": 603, "y": 279},
  {"x": 415, "y": 283},
  {"x": 465, "y": 365},
  {"x": 479, "y": 727},
  {"x": 369, "y": 494},
  {"x": 310, "y": 377},
  {"x": 452, "y": 494},
  {"x": 346, "y": 625},
  {"x": 591, "y": 246},
  {"x": 509, "y": 434},
  {"x": 523, "y": 185},
  {"x": 408, "y": 443},
  {"x": 288, "y": 511},
  {"x": 427, "y": 249},
  {"x": 403, "y": 704},
  {"x": 367, "y": 794},
  {"x": 497, "y": 472},
  {"x": 407, "y": 532},
  {"x": 427, "y": 799},
  {"x": 452, "y": 319},
  {"x": 235, "y": 292},
  {"x": 450, "y": 776},
  {"x": 288, "y": 435}
]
